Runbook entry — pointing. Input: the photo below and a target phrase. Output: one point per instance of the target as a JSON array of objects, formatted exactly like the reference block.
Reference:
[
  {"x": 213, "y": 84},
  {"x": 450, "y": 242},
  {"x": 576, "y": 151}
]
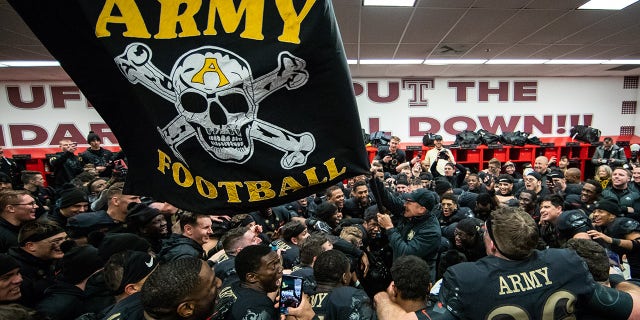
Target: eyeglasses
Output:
[{"x": 33, "y": 203}]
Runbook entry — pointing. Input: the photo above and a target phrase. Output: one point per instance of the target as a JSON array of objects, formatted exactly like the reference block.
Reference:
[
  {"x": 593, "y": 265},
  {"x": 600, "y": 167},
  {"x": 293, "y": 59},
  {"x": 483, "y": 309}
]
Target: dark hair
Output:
[
  {"x": 371, "y": 213},
  {"x": 230, "y": 239},
  {"x": 594, "y": 255},
  {"x": 241, "y": 220},
  {"x": 595, "y": 184},
  {"x": 330, "y": 190},
  {"x": 410, "y": 275},
  {"x": 449, "y": 196},
  {"x": 27, "y": 175},
  {"x": 249, "y": 259},
  {"x": 292, "y": 229},
  {"x": 485, "y": 199},
  {"x": 190, "y": 218},
  {"x": 449, "y": 258},
  {"x": 92, "y": 182},
  {"x": 169, "y": 285},
  {"x": 330, "y": 266},
  {"x": 325, "y": 210},
  {"x": 534, "y": 195},
  {"x": 359, "y": 183},
  {"x": 312, "y": 247},
  {"x": 556, "y": 200},
  {"x": 114, "y": 271}
]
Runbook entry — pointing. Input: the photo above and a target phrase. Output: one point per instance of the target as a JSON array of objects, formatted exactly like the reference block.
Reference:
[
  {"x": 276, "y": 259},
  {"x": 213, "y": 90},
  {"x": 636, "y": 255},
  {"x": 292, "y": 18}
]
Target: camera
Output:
[
  {"x": 120, "y": 170},
  {"x": 443, "y": 155}
]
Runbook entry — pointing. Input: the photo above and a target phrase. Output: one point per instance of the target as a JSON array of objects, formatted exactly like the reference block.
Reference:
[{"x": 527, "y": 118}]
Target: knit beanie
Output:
[
  {"x": 71, "y": 195},
  {"x": 138, "y": 214},
  {"x": 79, "y": 262},
  {"x": 116, "y": 242},
  {"x": 442, "y": 186},
  {"x": 470, "y": 225},
  {"x": 92, "y": 137},
  {"x": 7, "y": 263},
  {"x": 609, "y": 206}
]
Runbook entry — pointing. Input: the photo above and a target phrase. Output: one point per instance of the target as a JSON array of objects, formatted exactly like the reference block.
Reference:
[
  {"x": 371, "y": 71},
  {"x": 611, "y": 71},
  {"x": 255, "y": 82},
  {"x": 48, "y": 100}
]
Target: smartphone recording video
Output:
[{"x": 290, "y": 292}]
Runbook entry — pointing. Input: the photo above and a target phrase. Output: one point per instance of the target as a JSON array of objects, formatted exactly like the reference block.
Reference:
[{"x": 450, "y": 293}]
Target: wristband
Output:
[{"x": 615, "y": 242}]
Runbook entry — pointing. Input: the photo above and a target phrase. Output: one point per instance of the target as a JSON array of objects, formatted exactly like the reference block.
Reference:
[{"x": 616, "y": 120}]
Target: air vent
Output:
[
  {"x": 451, "y": 50},
  {"x": 630, "y": 82},
  {"x": 625, "y": 67}
]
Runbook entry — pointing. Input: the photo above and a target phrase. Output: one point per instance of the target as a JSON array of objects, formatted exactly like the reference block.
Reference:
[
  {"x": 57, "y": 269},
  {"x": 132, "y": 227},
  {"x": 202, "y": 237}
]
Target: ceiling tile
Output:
[
  {"x": 502, "y": 4},
  {"x": 520, "y": 50},
  {"x": 523, "y": 24},
  {"x": 477, "y": 24},
  {"x": 383, "y": 24},
  {"x": 414, "y": 51},
  {"x": 555, "y": 52},
  {"x": 571, "y": 23},
  {"x": 348, "y": 21},
  {"x": 377, "y": 51},
  {"x": 445, "y": 3},
  {"x": 430, "y": 25}
]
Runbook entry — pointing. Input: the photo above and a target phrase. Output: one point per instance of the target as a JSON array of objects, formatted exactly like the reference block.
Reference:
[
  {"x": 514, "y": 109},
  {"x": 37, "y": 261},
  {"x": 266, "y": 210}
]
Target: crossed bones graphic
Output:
[{"x": 135, "y": 63}]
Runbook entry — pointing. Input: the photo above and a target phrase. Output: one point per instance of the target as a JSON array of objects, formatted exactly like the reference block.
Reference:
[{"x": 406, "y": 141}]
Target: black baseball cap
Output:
[{"x": 423, "y": 197}]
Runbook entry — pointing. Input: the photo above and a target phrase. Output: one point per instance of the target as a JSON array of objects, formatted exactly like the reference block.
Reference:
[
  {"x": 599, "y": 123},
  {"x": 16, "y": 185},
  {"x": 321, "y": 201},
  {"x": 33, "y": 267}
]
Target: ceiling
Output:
[{"x": 436, "y": 29}]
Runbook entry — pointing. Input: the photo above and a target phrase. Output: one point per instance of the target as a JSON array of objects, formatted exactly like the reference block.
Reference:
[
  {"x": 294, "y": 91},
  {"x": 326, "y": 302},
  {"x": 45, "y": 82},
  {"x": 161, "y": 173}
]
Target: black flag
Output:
[{"x": 221, "y": 106}]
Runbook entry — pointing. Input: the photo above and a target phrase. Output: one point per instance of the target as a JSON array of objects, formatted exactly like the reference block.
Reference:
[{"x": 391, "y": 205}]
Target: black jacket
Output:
[
  {"x": 56, "y": 217},
  {"x": 37, "y": 276},
  {"x": 8, "y": 235},
  {"x": 63, "y": 301},
  {"x": 66, "y": 166},
  {"x": 100, "y": 157},
  {"x": 179, "y": 247},
  {"x": 129, "y": 308},
  {"x": 354, "y": 209},
  {"x": 82, "y": 224}
]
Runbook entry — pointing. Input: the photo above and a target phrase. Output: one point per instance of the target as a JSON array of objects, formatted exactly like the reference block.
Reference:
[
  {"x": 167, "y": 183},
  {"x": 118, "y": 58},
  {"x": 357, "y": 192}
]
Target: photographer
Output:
[
  {"x": 609, "y": 153},
  {"x": 456, "y": 179},
  {"x": 433, "y": 156},
  {"x": 97, "y": 155},
  {"x": 66, "y": 164},
  {"x": 390, "y": 156}
]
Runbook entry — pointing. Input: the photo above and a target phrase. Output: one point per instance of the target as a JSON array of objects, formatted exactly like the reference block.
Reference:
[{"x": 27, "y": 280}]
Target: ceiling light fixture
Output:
[
  {"x": 607, "y": 4},
  {"x": 29, "y": 63},
  {"x": 391, "y": 61},
  {"x": 622, "y": 62},
  {"x": 569, "y": 61},
  {"x": 389, "y": 3},
  {"x": 516, "y": 61},
  {"x": 439, "y": 62}
]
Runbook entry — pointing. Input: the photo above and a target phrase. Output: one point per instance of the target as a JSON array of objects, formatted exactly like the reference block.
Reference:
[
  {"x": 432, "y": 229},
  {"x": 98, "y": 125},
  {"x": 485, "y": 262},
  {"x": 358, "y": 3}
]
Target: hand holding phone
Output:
[{"x": 290, "y": 292}]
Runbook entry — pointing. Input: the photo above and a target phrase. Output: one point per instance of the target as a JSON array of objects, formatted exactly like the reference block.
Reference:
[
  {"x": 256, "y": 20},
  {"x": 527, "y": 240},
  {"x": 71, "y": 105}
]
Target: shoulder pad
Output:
[
  {"x": 572, "y": 222},
  {"x": 623, "y": 226}
]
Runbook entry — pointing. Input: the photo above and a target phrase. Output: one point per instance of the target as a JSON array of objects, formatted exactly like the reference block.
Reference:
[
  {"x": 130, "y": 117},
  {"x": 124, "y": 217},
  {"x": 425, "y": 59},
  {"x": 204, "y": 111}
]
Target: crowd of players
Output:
[{"x": 541, "y": 243}]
